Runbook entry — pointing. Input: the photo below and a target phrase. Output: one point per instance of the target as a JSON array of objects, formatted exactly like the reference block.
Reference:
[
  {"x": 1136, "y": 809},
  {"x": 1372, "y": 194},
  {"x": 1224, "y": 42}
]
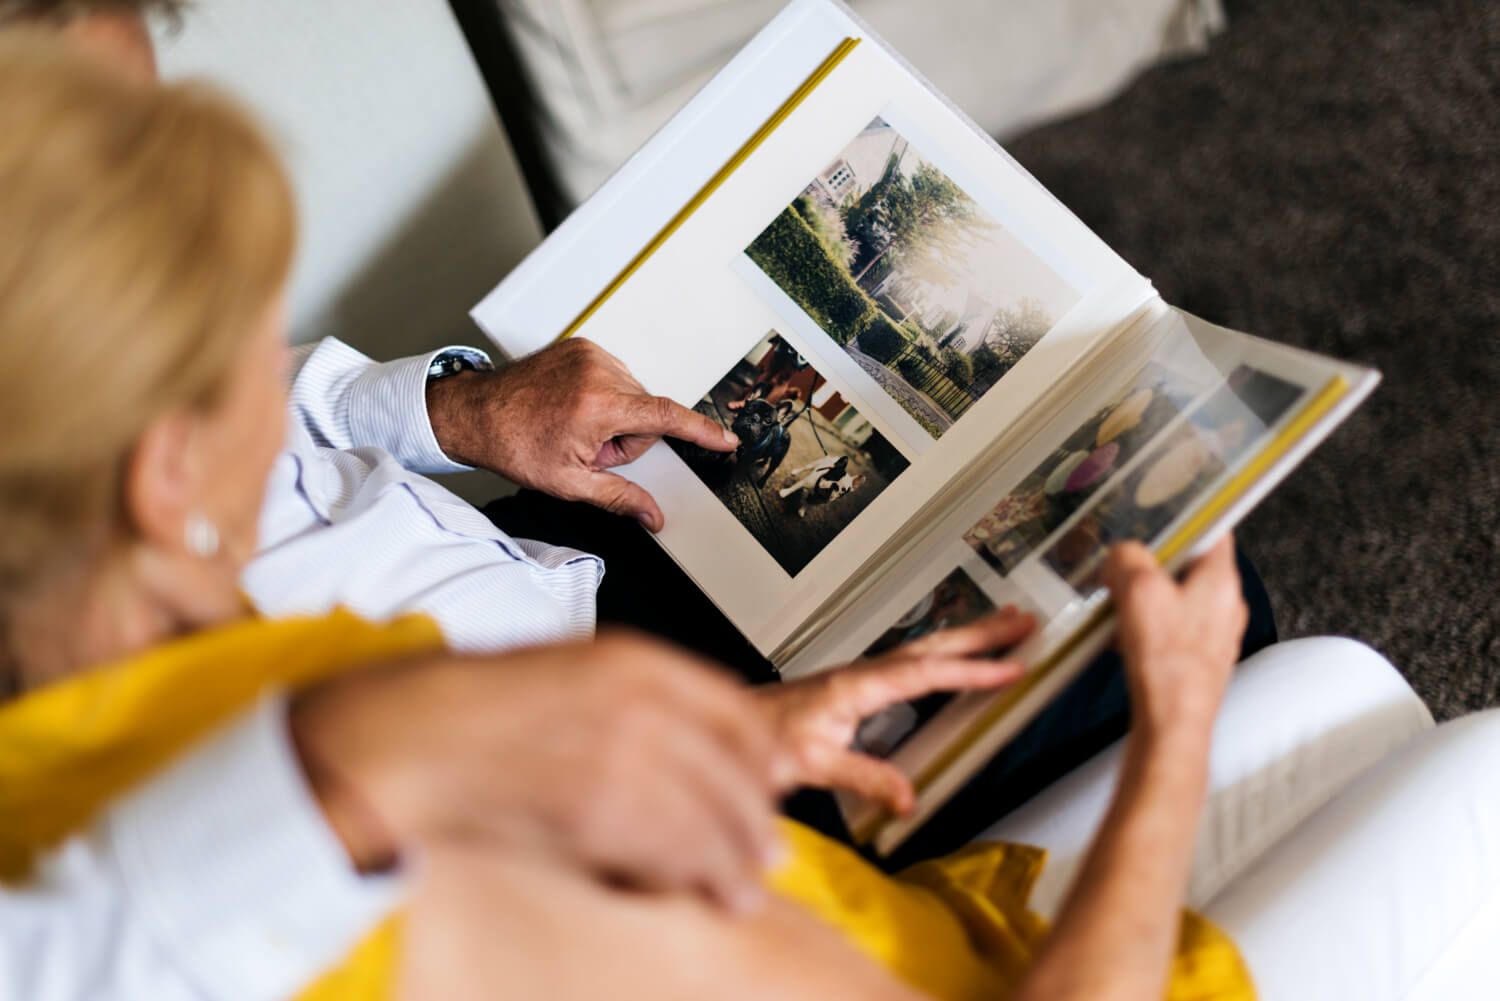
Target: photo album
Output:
[{"x": 950, "y": 395}]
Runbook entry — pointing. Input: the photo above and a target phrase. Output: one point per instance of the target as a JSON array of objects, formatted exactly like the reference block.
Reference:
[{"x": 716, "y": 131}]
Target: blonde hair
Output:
[{"x": 144, "y": 231}]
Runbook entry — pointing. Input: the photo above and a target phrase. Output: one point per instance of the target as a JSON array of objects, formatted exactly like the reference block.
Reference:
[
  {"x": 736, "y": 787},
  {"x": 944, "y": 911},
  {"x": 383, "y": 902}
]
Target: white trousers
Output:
[
  {"x": 1391, "y": 892},
  {"x": 1341, "y": 869}
]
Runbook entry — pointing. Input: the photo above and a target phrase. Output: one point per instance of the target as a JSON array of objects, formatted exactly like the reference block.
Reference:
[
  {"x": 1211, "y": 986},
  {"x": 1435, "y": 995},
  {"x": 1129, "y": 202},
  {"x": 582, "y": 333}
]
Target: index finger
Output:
[
  {"x": 658, "y": 416},
  {"x": 869, "y": 688},
  {"x": 984, "y": 635}
]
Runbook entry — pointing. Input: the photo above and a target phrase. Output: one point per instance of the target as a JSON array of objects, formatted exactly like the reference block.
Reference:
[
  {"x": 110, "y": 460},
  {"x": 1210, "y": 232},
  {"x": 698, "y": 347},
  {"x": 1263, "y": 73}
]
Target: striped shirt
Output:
[{"x": 348, "y": 519}]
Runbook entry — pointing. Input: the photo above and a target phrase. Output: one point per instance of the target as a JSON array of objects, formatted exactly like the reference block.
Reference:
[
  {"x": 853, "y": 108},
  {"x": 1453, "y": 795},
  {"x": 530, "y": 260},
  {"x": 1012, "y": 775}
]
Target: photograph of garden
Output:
[
  {"x": 808, "y": 462},
  {"x": 1078, "y": 467},
  {"x": 896, "y": 263},
  {"x": 1216, "y": 435}
]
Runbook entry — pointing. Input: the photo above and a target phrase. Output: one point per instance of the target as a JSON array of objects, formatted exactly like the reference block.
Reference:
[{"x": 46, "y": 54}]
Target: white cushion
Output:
[
  {"x": 1301, "y": 720},
  {"x": 610, "y": 72},
  {"x": 1392, "y": 891}
]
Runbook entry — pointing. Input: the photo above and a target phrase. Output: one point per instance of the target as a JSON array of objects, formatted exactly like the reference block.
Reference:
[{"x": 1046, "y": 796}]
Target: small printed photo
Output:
[
  {"x": 1216, "y": 435},
  {"x": 1049, "y": 495},
  {"x": 807, "y": 464},
  {"x": 955, "y": 601},
  {"x": 928, "y": 294}
]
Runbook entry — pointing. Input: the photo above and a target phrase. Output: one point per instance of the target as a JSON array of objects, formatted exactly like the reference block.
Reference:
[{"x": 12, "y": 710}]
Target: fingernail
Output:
[{"x": 730, "y": 438}]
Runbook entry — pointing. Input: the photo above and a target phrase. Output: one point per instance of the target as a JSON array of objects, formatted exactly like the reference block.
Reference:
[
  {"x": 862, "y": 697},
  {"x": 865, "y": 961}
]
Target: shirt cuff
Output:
[
  {"x": 229, "y": 860},
  {"x": 388, "y": 409}
]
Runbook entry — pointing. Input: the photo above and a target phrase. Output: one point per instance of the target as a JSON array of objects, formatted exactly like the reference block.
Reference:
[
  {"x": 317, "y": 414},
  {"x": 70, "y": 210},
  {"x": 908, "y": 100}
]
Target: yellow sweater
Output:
[{"x": 955, "y": 929}]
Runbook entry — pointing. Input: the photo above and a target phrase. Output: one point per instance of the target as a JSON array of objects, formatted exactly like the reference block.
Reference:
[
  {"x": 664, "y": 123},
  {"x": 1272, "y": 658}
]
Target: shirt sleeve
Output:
[
  {"x": 345, "y": 400},
  {"x": 219, "y": 879}
]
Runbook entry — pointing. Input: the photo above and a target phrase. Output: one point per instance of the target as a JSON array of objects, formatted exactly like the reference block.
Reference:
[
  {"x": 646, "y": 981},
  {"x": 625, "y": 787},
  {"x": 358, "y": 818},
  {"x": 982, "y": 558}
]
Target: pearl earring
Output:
[{"x": 201, "y": 536}]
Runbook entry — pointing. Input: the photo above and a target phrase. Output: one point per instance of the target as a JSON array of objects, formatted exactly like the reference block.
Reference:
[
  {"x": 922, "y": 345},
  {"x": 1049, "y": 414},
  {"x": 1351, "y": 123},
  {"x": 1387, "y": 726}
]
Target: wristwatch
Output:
[{"x": 455, "y": 360}]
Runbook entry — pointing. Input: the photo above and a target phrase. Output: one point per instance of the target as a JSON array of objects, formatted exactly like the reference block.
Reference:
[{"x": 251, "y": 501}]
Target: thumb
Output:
[{"x": 617, "y": 495}]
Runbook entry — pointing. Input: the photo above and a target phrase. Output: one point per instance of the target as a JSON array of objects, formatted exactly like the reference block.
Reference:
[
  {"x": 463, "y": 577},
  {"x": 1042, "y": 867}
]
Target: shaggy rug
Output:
[{"x": 1329, "y": 176}]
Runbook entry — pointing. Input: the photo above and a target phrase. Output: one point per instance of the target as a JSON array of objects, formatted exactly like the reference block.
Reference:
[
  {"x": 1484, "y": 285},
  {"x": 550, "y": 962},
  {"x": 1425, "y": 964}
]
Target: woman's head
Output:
[
  {"x": 146, "y": 234},
  {"x": 114, "y": 30}
]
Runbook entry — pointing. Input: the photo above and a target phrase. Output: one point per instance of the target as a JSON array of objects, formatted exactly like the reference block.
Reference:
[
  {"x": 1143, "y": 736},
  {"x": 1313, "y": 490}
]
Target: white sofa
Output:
[
  {"x": 608, "y": 73},
  {"x": 412, "y": 206}
]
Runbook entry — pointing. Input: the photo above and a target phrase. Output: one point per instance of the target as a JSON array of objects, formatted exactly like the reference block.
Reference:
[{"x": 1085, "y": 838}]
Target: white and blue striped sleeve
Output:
[{"x": 345, "y": 400}]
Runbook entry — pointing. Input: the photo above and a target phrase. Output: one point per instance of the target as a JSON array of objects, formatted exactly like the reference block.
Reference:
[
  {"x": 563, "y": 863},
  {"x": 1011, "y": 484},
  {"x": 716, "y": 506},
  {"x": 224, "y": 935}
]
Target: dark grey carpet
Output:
[{"x": 1329, "y": 176}]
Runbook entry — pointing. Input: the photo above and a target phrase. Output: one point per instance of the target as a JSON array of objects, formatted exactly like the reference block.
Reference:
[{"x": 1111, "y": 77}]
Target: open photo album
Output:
[{"x": 950, "y": 396}]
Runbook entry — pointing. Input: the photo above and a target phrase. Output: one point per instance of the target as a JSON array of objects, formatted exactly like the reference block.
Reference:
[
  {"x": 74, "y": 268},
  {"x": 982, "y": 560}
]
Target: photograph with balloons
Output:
[
  {"x": 1173, "y": 477},
  {"x": 1057, "y": 488}
]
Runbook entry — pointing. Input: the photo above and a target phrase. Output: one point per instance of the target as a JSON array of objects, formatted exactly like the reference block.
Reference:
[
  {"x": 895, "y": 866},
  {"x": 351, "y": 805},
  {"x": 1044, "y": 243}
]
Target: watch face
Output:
[
  {"x": 457, "y": 360},
  {"x": 451, "y": 364}
]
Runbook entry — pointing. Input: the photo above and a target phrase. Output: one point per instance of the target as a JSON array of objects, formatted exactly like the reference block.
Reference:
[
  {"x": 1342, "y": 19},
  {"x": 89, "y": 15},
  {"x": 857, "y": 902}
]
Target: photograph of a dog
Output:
[{"x": 808, "y": 462}]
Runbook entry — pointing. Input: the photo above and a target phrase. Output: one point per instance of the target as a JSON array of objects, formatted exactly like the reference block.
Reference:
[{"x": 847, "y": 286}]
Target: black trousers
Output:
[{"x": 645, "y": 590}]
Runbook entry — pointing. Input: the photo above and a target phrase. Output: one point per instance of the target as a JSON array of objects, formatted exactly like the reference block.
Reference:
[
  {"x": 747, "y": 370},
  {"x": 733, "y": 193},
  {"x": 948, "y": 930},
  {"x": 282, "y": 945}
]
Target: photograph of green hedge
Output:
[
  {"x": 792, "y": 257},
  {"x": 931, "y": 297}
]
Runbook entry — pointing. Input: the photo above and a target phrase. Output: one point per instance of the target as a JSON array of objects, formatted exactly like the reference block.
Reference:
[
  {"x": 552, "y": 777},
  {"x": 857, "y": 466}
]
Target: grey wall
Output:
[{"x": 411, "y": 204}]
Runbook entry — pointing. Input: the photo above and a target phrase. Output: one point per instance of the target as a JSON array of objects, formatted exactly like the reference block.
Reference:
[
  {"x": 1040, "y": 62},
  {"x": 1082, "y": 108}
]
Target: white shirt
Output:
[
  {"x": 185, "y": 891},
  {"x": 348, "y": 520},
  {"x": 220, "y": 878}
]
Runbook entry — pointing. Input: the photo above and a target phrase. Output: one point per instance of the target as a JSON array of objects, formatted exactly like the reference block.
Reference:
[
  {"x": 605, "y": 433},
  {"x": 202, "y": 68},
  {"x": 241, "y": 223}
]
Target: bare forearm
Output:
[{"x": 1115, "y": 936}]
